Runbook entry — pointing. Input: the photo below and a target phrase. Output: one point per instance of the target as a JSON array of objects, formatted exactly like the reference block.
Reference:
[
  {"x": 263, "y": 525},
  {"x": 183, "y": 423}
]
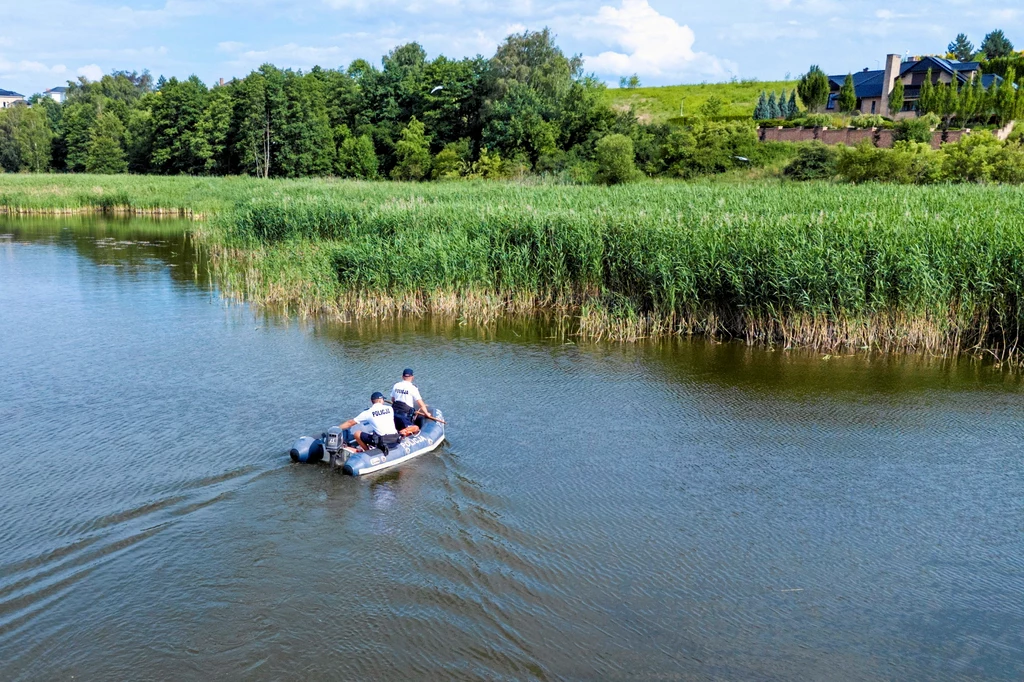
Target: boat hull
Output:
[{"x": 354, "y": 462}]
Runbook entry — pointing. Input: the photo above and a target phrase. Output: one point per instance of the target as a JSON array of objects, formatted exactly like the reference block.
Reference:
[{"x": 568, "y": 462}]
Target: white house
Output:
[
  {"x": 57, "y": 94},
  {"x": 9, "y": 99}
]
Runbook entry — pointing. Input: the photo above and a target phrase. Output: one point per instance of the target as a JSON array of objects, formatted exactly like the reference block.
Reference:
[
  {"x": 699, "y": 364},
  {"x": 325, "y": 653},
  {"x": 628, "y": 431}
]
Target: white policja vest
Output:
[
  {"x": 405, "y": 392},
  {"x": 382, "y": 417}
]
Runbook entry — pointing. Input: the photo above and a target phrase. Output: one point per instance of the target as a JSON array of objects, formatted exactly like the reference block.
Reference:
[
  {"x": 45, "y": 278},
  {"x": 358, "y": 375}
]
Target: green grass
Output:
[
  {"x": 657, "y": 105},
  {"x": 938, "y": 269},
  {"x": 143, "y": 194}
]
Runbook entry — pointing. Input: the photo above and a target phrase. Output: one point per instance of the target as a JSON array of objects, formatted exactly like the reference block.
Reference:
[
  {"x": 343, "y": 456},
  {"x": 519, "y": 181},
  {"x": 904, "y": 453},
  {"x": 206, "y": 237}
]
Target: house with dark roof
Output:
[
  {"x": 56, "y": 94},
  {"x": 9, "y": 99},
  {"x": 873, "y": 87}
]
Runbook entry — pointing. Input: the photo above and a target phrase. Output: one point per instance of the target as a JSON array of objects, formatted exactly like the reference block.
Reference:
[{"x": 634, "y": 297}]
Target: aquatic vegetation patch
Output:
[{"x": 895, "y": 268}]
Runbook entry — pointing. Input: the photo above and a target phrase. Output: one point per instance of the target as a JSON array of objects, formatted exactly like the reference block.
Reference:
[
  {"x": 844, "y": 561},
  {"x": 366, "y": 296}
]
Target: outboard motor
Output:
[
  {"x": 334, "y": 440},
  {"x": 307, "y": 450}
]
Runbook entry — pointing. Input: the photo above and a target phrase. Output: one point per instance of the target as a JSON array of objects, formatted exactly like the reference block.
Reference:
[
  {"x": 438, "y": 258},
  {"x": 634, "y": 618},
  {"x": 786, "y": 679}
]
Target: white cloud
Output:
[
  {"x": 291, "y": 55},
  {"x": 27, "y": 66},
  {"x": 91, "y": 71},
  {"x": 229, "y": 46},
  {"x": 650, "y": 44}
]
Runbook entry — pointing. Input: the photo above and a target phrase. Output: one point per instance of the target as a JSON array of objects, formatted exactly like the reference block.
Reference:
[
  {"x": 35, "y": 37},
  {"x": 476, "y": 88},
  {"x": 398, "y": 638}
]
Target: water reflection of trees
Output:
[{"x": 133, "y": 245}]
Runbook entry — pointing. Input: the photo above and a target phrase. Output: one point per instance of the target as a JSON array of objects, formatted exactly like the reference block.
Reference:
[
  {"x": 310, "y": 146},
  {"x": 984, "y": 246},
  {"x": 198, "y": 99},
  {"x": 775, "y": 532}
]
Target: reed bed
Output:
[
  {"x": 895, "y": 268},
  {"x": 828, "y": 266}
]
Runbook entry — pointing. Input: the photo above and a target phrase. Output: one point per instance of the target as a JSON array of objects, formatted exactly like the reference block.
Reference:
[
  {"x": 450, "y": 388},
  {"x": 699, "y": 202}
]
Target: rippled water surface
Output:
[{"x": 663, "y": 511}]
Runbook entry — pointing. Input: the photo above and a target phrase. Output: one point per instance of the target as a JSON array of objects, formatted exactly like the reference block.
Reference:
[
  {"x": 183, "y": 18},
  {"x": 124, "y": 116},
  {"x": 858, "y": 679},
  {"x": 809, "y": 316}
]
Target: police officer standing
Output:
[{"x": 405, "y": 397}]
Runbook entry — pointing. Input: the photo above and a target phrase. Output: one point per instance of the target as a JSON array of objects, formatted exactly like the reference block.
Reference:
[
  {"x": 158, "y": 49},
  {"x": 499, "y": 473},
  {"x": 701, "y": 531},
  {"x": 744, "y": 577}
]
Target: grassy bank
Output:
[
  {"x": 195, "y": 197},
  {"x": 935, "y": 269},
  {"x": 658, "y": 104}
]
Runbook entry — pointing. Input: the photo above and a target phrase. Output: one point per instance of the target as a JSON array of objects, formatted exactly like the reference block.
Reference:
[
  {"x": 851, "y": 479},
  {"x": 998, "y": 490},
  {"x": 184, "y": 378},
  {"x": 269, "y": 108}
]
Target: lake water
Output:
[{"x": 682, "y": 510}]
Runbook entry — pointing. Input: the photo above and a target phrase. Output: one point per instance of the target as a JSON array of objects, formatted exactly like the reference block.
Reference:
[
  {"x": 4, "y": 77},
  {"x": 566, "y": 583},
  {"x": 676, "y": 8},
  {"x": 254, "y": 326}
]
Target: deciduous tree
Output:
[
  {"x": 106, "y": 150},
  {"x": 615, "y": 158},
  {"x": 412, "y": 153}
]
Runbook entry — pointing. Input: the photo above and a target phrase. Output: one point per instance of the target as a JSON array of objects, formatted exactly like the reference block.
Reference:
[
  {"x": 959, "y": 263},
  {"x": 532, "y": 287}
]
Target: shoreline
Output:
[{"x": 895, "y": 269}]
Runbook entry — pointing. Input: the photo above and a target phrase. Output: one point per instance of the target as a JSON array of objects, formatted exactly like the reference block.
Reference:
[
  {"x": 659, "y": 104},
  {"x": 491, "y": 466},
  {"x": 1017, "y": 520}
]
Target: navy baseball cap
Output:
[
  {"x": 377, "y": 395},
  {"x": 407, "y": 372}
]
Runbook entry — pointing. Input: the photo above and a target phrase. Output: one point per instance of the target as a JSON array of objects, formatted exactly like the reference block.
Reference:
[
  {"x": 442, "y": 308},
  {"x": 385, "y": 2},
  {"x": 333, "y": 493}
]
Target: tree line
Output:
[{"x": 529, "y": 108}]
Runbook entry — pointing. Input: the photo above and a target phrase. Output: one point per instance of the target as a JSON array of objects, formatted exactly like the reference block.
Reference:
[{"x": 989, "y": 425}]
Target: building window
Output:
[
  {"x": 872, "y": 106},
  {"x": 832, "y": 101}
]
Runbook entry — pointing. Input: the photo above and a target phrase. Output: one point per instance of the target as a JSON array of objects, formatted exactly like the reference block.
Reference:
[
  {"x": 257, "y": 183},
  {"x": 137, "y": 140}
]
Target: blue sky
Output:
[{"x": 46, "y": 42}]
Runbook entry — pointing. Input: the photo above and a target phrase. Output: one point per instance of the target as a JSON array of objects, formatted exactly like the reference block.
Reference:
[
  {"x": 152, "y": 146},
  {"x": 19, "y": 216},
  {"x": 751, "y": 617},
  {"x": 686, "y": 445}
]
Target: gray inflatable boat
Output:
[{"x": 338, "y": 448}]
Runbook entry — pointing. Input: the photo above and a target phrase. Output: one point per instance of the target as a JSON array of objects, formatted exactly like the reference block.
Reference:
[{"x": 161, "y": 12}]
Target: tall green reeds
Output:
[
  {"x": 884, "y": 267},
  {"x": 891, "y": 267}
]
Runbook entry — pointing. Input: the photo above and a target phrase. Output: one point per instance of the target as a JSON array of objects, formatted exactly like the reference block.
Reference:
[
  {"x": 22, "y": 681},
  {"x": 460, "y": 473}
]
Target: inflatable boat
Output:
[{"x": 338, "y": 448}]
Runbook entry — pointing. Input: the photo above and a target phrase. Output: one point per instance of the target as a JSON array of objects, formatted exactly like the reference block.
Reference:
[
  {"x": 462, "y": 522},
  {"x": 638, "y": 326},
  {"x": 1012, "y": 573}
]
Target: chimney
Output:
[
  {"x": 892, "y": 71},
  {"x": 222, "y": 81}
]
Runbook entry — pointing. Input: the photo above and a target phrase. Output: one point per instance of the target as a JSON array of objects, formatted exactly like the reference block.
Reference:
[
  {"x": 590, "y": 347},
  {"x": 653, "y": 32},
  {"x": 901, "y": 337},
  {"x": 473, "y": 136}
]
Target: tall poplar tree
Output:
[
  {"x": 896, "y": 97},
  {"x": 847, "y": 95}
]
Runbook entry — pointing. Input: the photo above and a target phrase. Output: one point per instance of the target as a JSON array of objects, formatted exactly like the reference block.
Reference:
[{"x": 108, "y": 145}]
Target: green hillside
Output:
[{"x": 656, "y": 105}]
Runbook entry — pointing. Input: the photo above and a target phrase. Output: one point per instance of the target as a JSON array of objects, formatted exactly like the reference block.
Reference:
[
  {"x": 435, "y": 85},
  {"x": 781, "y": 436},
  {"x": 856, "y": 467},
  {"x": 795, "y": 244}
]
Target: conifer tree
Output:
[
  {"x": 847, "y": 95},
  {"x": 783, "y": 104},
  {"x": 793, "y": 108},
  {"x": 773, "y": 106},
  {"x": 996, "y": 45},
  {"x": 761, "y": 109},
  {"x": 814, "y": 88},
  {"x": 961, "y": 48}
]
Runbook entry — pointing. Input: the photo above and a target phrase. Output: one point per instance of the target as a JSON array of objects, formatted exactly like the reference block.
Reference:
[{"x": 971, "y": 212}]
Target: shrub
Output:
[
  {"x": 972, "y": 159},
  {"x": 913, "y": 130},
  {"x": 615, "y": 160},
  {"x": 815, "y": 161},
  {"x": 869, "y": 121},
  {"x": 707, "y": 148},
  {"x": 1009, "y": 165},
  {"x": 356, "y": 158},
  {"x": 451, "y": 163},
  {"x": 818, "y": 121},
  {"x": 905, "y": 163},
  {"x": 774, "y": 153}
]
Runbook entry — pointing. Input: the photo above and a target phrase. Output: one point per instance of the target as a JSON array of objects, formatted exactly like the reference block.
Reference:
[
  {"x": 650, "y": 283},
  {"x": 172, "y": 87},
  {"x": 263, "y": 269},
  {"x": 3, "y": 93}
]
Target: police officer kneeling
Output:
[{"x": 382, "y": 417}]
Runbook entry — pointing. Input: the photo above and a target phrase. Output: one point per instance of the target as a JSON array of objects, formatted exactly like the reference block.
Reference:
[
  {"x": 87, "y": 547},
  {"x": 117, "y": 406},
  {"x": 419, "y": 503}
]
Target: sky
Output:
[{"x": 44, "y": 43}]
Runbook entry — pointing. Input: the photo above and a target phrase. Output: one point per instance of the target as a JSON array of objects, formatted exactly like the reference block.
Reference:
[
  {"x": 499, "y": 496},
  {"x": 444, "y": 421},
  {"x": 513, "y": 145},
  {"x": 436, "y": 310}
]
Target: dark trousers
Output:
[{"x": 403, "y": 417}]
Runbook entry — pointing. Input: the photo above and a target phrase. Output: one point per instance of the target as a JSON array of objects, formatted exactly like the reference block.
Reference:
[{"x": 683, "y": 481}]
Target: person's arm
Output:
[
  {"x": 419, "y": 400},
  {"x": 348, "y": 425}
]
